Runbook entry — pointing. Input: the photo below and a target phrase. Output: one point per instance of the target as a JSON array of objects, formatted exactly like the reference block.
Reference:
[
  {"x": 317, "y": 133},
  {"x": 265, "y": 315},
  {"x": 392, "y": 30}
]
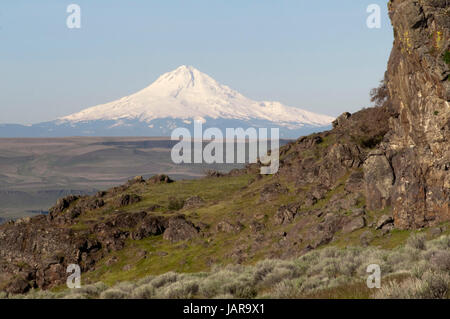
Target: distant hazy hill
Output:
[{"x": 35, "y": 172}]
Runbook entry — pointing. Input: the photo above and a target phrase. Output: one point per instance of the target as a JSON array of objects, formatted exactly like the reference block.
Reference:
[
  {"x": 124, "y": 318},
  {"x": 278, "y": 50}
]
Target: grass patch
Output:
[{"x": 446, "y": 57}]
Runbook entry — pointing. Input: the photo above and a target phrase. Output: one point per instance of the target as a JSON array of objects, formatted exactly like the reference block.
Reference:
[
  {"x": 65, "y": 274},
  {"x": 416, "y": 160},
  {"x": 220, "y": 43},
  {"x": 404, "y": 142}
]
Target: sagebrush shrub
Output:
[
  {"x": 418, "y": 270},
  {"x": 226, "y": 296},
  {"x": 90, "y": 291},
  {"x": 441, "y": 260},
  {"x": 276, "y": 275},
  {"x": 164, "y": 279},
  {"x": 285, "y": 290},
  {"x": 432, "y": 285},
  {"x": 417, "y": 242},
  {"x": 77, "y": 296},
  {"x": 217, "y": 283},
  {"x": 125, "y": 286},
  {"x": 436, "y": 285},
  {"x": 427, "y": 264},
  {"x": 145, "y": 280},
  {"x": 348, "y": 267},
  {"x": 113, "y": 293},
  {"x": 175, "y": 203},
  {"x": 394, "y": 290},
  {"x": 145, "y": 291},
  {"x": 179, "y": 290}
]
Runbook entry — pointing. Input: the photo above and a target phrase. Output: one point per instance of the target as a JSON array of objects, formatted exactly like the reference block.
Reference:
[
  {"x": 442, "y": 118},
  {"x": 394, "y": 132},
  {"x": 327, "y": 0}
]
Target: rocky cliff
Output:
[{"x": 412, "y": 165}]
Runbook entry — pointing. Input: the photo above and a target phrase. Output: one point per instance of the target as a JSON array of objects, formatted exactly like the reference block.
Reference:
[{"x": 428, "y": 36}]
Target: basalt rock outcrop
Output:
[
  {"x": 35, "y": 252},
  {"x": 417, "y": 146}
]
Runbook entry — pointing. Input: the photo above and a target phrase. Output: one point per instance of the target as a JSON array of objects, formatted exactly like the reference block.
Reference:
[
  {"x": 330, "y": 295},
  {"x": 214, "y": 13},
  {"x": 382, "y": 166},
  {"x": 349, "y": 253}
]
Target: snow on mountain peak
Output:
[
  {"x": 186, "y": 93},
  {"x": 182, "y": 76}
]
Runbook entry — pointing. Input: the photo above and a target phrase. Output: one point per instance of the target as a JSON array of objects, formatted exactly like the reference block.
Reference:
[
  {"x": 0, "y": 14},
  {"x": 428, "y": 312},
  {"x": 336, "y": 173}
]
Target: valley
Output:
[{"x": 34, "y": 173}]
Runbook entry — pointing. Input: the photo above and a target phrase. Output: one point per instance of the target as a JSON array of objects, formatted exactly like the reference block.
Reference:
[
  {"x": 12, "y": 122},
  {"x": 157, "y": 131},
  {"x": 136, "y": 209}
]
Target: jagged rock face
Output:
[
  {"x": 35, "y": 252},
  {"x": 418, "y": 143},
  {"x": 378, "y": 178},
  {"x": 38, "y": 252}
]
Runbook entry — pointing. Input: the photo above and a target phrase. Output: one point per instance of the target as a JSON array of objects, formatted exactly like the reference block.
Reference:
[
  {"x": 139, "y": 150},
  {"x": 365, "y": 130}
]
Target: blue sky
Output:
[{"x": 317, "y": 55}]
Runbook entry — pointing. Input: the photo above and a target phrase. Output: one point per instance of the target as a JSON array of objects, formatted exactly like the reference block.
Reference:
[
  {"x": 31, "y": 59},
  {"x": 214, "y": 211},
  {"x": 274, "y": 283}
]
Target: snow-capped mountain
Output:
[{"x": 176, "y": 99}]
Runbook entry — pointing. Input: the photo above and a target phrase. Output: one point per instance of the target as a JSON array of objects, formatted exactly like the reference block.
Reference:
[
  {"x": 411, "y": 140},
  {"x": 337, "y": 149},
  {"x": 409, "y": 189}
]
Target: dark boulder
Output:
[
  {"x": 18, "y": 285},
  {"x": 383, "y": 221},
  {"x": 179, "y": 229},
  {"x": 127, "y": 199},
  {"x": 272, "y": 191},
  {"x": 62, "y": 204},
  {"x": 227, "y": 227},
  {"x": 341, "y": 119},
  {"x": 160, "y": 179},
  {"x": 285, "y": 214},
  {"x": 354, "y": 224}
]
